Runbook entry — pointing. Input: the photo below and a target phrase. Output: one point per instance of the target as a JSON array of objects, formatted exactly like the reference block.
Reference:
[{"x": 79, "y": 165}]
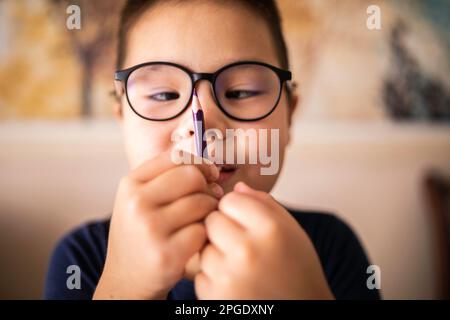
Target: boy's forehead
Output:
[{"x": 201, "y": 37}]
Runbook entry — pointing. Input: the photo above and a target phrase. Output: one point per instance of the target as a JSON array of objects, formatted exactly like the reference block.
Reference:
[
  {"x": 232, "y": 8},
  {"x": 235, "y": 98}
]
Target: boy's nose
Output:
[{"x": 214, "y": 118}]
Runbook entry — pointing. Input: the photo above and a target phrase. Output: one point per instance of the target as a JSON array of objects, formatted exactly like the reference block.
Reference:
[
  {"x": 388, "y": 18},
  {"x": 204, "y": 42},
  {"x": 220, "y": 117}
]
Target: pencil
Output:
[{"x": 199, "y": 126}]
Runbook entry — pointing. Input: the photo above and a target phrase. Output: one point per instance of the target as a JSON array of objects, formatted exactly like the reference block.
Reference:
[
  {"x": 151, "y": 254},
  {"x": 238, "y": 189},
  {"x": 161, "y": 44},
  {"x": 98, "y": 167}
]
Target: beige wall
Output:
[{"x": 54, "y": 176}]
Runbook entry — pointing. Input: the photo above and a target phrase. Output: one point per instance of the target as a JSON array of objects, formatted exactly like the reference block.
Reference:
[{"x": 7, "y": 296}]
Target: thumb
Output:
[{"x": 242, "y": 187}]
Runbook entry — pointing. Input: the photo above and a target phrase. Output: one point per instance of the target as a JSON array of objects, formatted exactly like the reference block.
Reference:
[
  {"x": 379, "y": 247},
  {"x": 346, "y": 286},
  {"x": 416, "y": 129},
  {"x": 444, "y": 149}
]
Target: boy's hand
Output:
[
  {"x": 156, "y": 227},
  {"x": 257, "y": 250}
]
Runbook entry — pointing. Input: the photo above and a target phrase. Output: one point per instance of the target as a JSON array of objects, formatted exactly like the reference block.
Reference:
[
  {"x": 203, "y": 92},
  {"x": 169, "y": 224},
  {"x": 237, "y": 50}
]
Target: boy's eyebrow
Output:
[{"x": 217, "y": 64}]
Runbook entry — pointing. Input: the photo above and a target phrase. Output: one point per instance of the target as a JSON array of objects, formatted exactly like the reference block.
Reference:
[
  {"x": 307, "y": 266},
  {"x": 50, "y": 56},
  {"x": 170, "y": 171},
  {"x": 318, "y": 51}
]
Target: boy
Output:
[{"x": 208, "y": 231}]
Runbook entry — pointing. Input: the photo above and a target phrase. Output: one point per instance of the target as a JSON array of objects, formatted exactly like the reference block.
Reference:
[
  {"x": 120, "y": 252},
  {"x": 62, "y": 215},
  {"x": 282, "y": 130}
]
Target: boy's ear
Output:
[
  {"x": 117, "y": 111},
  {"x": 293, "y": 103},
  {"x": 117, "y": 94}
]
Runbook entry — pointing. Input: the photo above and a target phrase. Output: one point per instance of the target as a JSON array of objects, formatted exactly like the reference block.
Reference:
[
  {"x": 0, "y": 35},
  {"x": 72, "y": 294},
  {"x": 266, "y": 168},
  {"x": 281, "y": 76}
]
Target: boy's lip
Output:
[
  {"x": 226, "y": 171},
  {"x": 226, "y": 167}
]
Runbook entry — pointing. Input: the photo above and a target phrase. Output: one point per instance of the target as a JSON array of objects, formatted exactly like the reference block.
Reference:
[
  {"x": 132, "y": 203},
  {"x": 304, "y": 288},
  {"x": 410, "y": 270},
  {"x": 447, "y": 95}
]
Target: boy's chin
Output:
[{"x": 227, "y": 186}]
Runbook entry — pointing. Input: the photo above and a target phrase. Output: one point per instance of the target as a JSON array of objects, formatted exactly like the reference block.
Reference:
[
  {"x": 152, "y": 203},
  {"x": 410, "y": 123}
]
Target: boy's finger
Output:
[
  {"x": 187, "y": 210},
  {"x": 211, "y": 260},
  {"x": 151, "y": 168},
  {"x": 263, "y": 196},
  {"x": 178, "y": 182},
  {"x": 192, "y": 267},
  {"x": 188, "y": 240},
  {"x": 223, "y": 232},
  {"x": 163, "y": 162},
  {"x": 246, "y": 210},
  {"x": 208, "y": 168},
  {"x": 203, "y": 285}
]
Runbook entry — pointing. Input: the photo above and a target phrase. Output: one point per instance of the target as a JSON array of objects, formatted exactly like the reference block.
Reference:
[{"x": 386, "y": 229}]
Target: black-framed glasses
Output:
[{"x": 244, "y": 90}]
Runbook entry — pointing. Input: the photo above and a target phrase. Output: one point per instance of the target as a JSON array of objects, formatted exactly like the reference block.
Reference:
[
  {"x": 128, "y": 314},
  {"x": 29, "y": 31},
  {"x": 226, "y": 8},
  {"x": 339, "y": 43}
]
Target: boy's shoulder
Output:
[
  {"x": 91, "y": 230},
  {"x": 327, "y": 231},
  {"x": 312, "y": 216},
  {"x": 341, "y": 253},
  {"x": 318, "y": 222},
  {"x": 92, "y": 234},
  {"x": 82, "y": 250}
]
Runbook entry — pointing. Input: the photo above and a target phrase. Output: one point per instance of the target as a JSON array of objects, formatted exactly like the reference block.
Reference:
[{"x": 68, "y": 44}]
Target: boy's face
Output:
[{"x": 202, "y": 37}]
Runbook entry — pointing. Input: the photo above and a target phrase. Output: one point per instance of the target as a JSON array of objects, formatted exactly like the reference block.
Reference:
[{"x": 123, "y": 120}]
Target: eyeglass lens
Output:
[{"x": 245, "y": 91}]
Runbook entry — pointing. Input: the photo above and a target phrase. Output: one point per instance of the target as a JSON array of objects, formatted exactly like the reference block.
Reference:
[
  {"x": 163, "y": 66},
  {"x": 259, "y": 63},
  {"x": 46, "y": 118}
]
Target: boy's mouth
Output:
[{"x": 226, "y": 171}]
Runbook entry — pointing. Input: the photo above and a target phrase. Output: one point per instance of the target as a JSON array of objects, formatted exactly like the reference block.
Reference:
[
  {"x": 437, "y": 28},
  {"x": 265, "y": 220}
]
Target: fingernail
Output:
[
  {"x": 241, "y": 186},
  {"x": 216, "y": 189},
  {"x": 215, "y": 172},
  {"x": 207, "y": 161}
]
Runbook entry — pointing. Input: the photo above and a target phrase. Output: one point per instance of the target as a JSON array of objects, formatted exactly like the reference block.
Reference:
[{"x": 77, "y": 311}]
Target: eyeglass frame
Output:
[{"x": 283, "y": 76}]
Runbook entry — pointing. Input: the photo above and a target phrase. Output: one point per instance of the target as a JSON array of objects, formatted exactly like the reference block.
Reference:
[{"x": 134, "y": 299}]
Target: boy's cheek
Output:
[
  {"x": 139, "y": 150},
  {"x": 186, "y": 145},
  {"x": 143, "y": 139},
  {"x": 261, "y": 182}
]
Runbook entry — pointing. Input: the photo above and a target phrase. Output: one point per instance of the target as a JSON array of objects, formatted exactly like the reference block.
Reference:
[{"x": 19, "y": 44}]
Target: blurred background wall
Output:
[{"x": 372, "y": 123}]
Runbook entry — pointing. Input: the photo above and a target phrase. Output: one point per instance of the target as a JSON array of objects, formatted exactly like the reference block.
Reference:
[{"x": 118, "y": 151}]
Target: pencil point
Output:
[{"x": 195, "y": 102}]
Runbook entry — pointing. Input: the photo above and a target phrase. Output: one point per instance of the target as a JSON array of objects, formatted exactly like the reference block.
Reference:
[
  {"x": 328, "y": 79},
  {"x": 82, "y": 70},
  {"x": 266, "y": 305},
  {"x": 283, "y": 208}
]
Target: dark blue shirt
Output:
[{"x": 341, "y": 254}]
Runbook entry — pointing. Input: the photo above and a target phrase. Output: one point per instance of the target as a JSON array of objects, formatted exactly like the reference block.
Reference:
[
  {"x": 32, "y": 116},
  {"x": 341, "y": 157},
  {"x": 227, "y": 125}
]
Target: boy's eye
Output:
[
  {"x": 241, "y": 94},
  {"x": 164, "y": 96}
]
